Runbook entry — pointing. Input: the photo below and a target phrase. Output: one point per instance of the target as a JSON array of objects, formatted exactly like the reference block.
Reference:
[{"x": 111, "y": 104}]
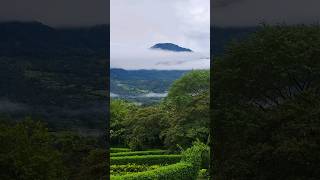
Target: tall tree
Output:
[{"x": 265, "y": 100}]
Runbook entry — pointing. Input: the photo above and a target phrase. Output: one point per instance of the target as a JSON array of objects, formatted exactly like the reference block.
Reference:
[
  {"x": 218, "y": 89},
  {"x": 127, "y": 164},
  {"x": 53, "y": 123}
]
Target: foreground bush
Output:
[
  {"x": 134, "y": 153},
  {"x": 149, "y": 159},
  {"x": 178, "y": 171}
]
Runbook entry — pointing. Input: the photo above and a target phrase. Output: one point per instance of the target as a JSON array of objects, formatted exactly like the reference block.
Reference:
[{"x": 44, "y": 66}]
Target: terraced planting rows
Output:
[{"x": 155, "y": 164}]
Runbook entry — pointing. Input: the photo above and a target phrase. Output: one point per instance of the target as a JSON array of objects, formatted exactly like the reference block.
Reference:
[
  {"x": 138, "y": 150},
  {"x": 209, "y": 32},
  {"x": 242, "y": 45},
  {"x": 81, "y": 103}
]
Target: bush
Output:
[
  {"x": 148, "y": 159},
  {"x": 134, "y": 153},
  {"x": 118, "y": 150},
  {"x": 187, "y": 168},
  {"x": 176, "y": 171},
  {"x": 196, "y": 154},
  {"x": 130, "y": 168},
  {"x": 203, "y": 174}
]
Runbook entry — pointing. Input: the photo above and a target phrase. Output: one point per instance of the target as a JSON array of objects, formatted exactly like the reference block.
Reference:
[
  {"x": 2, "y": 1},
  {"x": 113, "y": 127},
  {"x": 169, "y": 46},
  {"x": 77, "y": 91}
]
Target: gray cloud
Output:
[
  {"x": 253, "y": 12},
  {"x": 56, "y": 12},
  {"x": 224, "y": 3}
]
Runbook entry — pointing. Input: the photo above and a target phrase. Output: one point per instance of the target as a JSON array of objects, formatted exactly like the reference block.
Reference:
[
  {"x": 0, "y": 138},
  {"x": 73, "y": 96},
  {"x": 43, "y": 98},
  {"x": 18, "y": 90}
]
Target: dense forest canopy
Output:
[
  {"x": 181, "y": 118},
  {"x": 266, "y": 106}
]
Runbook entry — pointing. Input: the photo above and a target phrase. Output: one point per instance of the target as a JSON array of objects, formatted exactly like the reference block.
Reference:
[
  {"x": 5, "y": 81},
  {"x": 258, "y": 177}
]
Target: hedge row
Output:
[
  {"x": 176, "y": 171},
  {"x": 135, "y": 153},
  {"x": 118, "y": 150},
  {"x": 148, "y": 159},
  {"x": 130, "y": 168}
]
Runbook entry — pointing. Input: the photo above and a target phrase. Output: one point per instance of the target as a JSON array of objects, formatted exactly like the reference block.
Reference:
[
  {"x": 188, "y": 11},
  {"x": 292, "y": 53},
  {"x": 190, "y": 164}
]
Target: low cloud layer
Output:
[
  {"x": 145, "y": 58},
  {"x": 9, "y": 106}
]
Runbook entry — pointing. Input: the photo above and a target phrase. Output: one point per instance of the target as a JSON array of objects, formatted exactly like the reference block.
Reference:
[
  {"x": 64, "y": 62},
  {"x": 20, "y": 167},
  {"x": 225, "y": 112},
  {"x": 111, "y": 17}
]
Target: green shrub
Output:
[
  {"x": 203, "y": 174},
  {"x": 134, "y": 153},
  {"x": 181, "y": 170},
  {"x": 130, "y": 168},
  {"x": 148, "y": 159},
  {"x": 118, "y": 150},
  {"x": 196, "y": 154}
]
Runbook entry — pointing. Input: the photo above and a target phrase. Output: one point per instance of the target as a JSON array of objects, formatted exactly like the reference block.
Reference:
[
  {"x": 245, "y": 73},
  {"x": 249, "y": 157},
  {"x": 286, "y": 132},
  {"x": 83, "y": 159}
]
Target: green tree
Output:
[
  {"x": 120, "y": 111},
  {"x": 266, "y": 106},
  {"x": 26, "y": 152},
  {"x": 188, "y": 107},
  {"x": 145, "y": 127}
]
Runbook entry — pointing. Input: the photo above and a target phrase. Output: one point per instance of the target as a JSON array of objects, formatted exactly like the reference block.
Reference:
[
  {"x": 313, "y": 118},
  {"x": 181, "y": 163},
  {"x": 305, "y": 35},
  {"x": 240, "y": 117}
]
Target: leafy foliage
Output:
[
  {"x": 266, "y": 106},
  {"x": 188, "y": 107},
  {"x": 145, "y": 126},
  {"x": 27, "y": 154},
  {"x": 170, "y": 172},
  {"x": 120, "y": 111},
  {"x": 130, "y": 168},
  {"x": 187, "y": 168},
  {"x": 146, "y": 159},
  {"x": 134, "y": 153},
  {"x": 29, "y": 151}
]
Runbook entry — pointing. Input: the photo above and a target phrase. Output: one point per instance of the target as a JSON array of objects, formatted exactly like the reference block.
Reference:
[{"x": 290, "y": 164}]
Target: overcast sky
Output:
[
  {"x": 136, "y": 25},
  {"x": 56, "y": 12},
  {"x": 253, "y": 12}
]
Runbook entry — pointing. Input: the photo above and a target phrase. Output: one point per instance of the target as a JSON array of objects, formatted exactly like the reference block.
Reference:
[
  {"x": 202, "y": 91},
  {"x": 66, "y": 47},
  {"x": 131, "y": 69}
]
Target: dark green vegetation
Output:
[
  {"x": 173, "y": 123},
  {"x": 57, "y": 77},
  {"x": 266, "y": 106},
  {"x": 30, "y": 151},
  {"x": 153, "y": 152},
  {"x": 146, "y": 159},
  {"x": 181, "y": 118}
]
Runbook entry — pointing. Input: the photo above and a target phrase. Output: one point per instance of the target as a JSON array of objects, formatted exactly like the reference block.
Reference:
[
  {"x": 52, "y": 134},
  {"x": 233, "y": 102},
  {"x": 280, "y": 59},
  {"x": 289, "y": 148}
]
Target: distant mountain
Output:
[
  {"x": 170, "y": 47},
  {"x": 222, "y": 36},
  {"x": 37, "y": 39}
]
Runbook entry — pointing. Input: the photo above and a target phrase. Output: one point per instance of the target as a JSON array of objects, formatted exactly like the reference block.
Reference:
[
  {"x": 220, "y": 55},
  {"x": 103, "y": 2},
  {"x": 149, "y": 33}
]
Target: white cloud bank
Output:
[{"x": 137, "y": 25}]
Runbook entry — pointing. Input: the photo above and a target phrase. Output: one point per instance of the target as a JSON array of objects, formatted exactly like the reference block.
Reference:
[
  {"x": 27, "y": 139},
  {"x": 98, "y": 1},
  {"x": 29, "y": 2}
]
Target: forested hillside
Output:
[
  {"x": 53, "y": 101},
  {"x": 144, "y": 86}
]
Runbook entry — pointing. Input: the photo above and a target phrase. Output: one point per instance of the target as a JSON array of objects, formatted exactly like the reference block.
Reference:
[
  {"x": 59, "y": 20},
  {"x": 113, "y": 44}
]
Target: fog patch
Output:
[
  {"x": 154, "y": 95},
  {"x": 9, "y": 106}
]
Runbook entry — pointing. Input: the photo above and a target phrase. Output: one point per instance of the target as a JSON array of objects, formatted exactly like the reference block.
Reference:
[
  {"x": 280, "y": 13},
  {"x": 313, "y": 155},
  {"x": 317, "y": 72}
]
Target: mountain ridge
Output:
[
  {"x": 170, "y": 47},
  {"x": 37, "y": 39}
]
